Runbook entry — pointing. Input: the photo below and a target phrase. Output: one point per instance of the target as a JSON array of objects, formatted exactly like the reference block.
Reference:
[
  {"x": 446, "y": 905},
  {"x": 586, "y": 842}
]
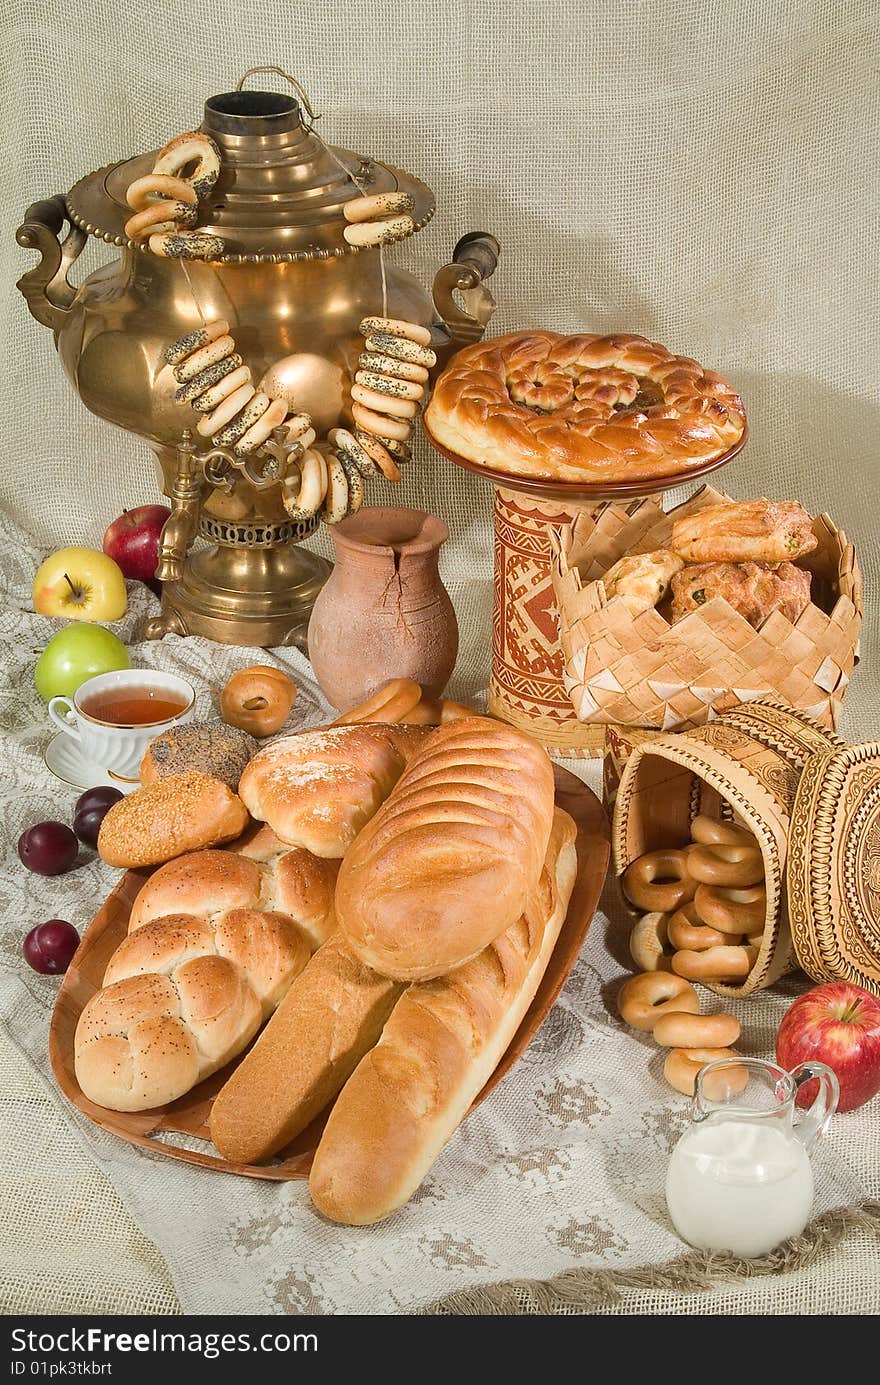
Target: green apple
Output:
[
  {"x": 76, "y": 653},
  {"x": 80, "y": 584}
]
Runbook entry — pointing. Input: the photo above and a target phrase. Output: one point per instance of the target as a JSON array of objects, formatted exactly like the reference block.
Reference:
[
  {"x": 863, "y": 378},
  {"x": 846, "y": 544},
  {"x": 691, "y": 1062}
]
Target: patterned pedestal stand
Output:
[{"x": 526, "y": 687}]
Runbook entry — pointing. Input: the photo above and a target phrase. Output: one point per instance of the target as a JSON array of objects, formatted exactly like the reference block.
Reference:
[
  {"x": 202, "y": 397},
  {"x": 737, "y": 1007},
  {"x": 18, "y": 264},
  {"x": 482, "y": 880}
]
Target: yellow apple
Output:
[{"x": 80, "y": 584}]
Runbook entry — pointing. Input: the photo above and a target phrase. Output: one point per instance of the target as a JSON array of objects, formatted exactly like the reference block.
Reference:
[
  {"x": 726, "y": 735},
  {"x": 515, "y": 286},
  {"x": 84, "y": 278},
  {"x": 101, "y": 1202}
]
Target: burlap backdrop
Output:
[{"x": 700, "y": 172}]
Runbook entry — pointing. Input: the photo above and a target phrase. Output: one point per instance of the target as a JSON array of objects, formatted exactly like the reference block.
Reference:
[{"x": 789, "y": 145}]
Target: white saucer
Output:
[{"x": 63, "y": 757}]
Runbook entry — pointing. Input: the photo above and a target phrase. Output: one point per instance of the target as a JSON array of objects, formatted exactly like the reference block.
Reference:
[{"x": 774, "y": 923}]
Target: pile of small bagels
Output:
[{"x": 704, "y": 908}]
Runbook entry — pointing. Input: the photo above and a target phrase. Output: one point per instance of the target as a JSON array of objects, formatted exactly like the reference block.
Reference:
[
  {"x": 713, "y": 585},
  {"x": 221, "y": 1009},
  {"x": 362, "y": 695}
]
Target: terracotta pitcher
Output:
[{"x": 383, "y": 613}]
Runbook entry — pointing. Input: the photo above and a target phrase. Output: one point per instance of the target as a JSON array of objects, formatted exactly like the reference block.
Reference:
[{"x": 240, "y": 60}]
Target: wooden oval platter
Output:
[{"x": 189, "y": 1114}]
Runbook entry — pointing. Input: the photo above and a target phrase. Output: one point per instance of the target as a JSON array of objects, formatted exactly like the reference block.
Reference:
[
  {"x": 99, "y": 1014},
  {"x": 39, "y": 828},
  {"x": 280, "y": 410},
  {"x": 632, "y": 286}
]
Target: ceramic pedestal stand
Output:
[{"x": 526, "y": 686}]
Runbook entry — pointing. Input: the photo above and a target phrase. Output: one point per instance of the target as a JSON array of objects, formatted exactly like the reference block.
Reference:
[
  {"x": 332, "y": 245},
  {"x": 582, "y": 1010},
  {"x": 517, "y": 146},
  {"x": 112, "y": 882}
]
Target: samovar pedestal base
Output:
[{"x": 257, "y": 597}]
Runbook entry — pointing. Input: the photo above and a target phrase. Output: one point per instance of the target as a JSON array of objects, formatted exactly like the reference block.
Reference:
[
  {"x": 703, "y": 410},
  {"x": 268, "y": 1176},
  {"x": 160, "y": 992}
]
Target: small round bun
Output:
[{"x": 209, "y": 747}]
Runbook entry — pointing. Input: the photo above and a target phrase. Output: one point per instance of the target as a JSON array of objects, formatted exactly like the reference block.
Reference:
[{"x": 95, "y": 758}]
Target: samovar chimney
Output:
[{"x": 258, "y": 113}]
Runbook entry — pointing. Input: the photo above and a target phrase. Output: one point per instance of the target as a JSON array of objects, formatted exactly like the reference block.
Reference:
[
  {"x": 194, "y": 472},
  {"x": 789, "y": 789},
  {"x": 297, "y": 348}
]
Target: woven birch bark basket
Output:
[
  {"x": 641, "y": 671},
  {"x": 746, "y": 765}
]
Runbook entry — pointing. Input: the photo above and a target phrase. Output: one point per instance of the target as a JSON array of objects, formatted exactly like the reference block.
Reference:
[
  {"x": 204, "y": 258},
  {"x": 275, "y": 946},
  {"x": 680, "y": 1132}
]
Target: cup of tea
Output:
[{"x": 113, "y": 716}]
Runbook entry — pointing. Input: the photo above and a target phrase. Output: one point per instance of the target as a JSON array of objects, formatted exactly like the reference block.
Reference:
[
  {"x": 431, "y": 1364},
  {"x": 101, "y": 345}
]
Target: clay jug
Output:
[{"x": 383, "y": 613}]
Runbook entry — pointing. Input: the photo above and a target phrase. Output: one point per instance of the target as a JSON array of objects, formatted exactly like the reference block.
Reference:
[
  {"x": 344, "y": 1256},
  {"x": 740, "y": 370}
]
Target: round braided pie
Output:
[{"x": 583, "y": 408}]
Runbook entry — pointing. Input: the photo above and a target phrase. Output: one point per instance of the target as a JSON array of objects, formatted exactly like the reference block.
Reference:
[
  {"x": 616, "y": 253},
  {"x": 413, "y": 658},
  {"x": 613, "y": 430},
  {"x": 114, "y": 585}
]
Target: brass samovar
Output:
[{"x": 293, "y": 291}]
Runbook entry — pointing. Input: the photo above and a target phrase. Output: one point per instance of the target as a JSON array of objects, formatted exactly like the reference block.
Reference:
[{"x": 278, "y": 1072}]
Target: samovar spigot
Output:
[{"x": 181, "y": 525}]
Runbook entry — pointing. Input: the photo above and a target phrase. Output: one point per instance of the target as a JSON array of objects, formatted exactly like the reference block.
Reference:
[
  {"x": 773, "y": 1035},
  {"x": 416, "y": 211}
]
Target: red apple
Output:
[
  {"x": 132, "y": 541},
  {"x": 837, "y": 1024}
]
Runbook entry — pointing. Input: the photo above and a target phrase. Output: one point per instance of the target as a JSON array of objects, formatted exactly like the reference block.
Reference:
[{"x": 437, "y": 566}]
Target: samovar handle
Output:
[
  {"x": 46, "y": 288},
  {"x": 474, "y": 260}
]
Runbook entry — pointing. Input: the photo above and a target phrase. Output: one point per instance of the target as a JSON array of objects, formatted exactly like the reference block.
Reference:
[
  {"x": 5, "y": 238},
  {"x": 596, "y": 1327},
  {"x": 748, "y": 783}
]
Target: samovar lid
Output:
[{"x": 280, "y": 193}]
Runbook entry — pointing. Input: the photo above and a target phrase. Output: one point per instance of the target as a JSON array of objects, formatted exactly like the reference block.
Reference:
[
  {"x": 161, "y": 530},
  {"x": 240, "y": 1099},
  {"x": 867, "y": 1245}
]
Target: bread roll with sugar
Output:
[
  {"x": 207, "y": 883},
  {"x": 181, "y": 813},
  {"x": 443, "y": 1041},
  {"x": 318, "y": 789},
  {"x": 332, "y": 1014},
  {"x": 451, "y": 858}
]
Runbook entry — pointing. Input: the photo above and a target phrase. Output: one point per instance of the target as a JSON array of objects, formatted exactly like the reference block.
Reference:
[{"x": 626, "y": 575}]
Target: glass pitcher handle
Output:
[{"x": 817, "y": 1117}]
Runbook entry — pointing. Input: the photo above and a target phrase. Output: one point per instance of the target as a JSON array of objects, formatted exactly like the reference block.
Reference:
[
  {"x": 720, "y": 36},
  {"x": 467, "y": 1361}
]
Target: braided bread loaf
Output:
[
  {"x": 583, "y": 408},
  {"x": 208, "y": 957}
]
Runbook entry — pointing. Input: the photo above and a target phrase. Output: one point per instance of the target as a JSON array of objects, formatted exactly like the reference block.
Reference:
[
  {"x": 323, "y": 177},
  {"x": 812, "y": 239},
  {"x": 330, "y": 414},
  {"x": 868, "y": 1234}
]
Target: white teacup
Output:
[{"x": 116, "y": 748}]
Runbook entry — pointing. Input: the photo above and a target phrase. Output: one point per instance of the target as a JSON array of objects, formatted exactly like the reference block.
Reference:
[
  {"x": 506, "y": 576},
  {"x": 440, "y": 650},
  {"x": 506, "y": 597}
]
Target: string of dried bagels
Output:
[
  {"x": 166, "y": 201},
  {"x": 212, "y": 378}
]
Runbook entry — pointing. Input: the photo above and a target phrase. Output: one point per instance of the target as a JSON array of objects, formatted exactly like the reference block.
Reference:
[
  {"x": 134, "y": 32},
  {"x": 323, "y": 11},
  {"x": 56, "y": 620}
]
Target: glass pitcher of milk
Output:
[{"x": 739, "y": 1178}]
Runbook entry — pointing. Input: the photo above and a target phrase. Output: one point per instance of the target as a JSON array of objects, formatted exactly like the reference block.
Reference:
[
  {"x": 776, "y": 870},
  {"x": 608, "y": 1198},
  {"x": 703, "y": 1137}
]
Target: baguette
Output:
[
  {"x": 443, "y": 1041},
  {"x": 332, "y": 1014},
  {"x": 450, "y": 859}
]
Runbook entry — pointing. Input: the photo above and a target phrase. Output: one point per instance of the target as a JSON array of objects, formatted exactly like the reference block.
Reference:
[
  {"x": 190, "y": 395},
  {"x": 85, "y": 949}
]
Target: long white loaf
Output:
[
  {"x": 450, "y": 859},
  {"x": 443, "y": 1041}
]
